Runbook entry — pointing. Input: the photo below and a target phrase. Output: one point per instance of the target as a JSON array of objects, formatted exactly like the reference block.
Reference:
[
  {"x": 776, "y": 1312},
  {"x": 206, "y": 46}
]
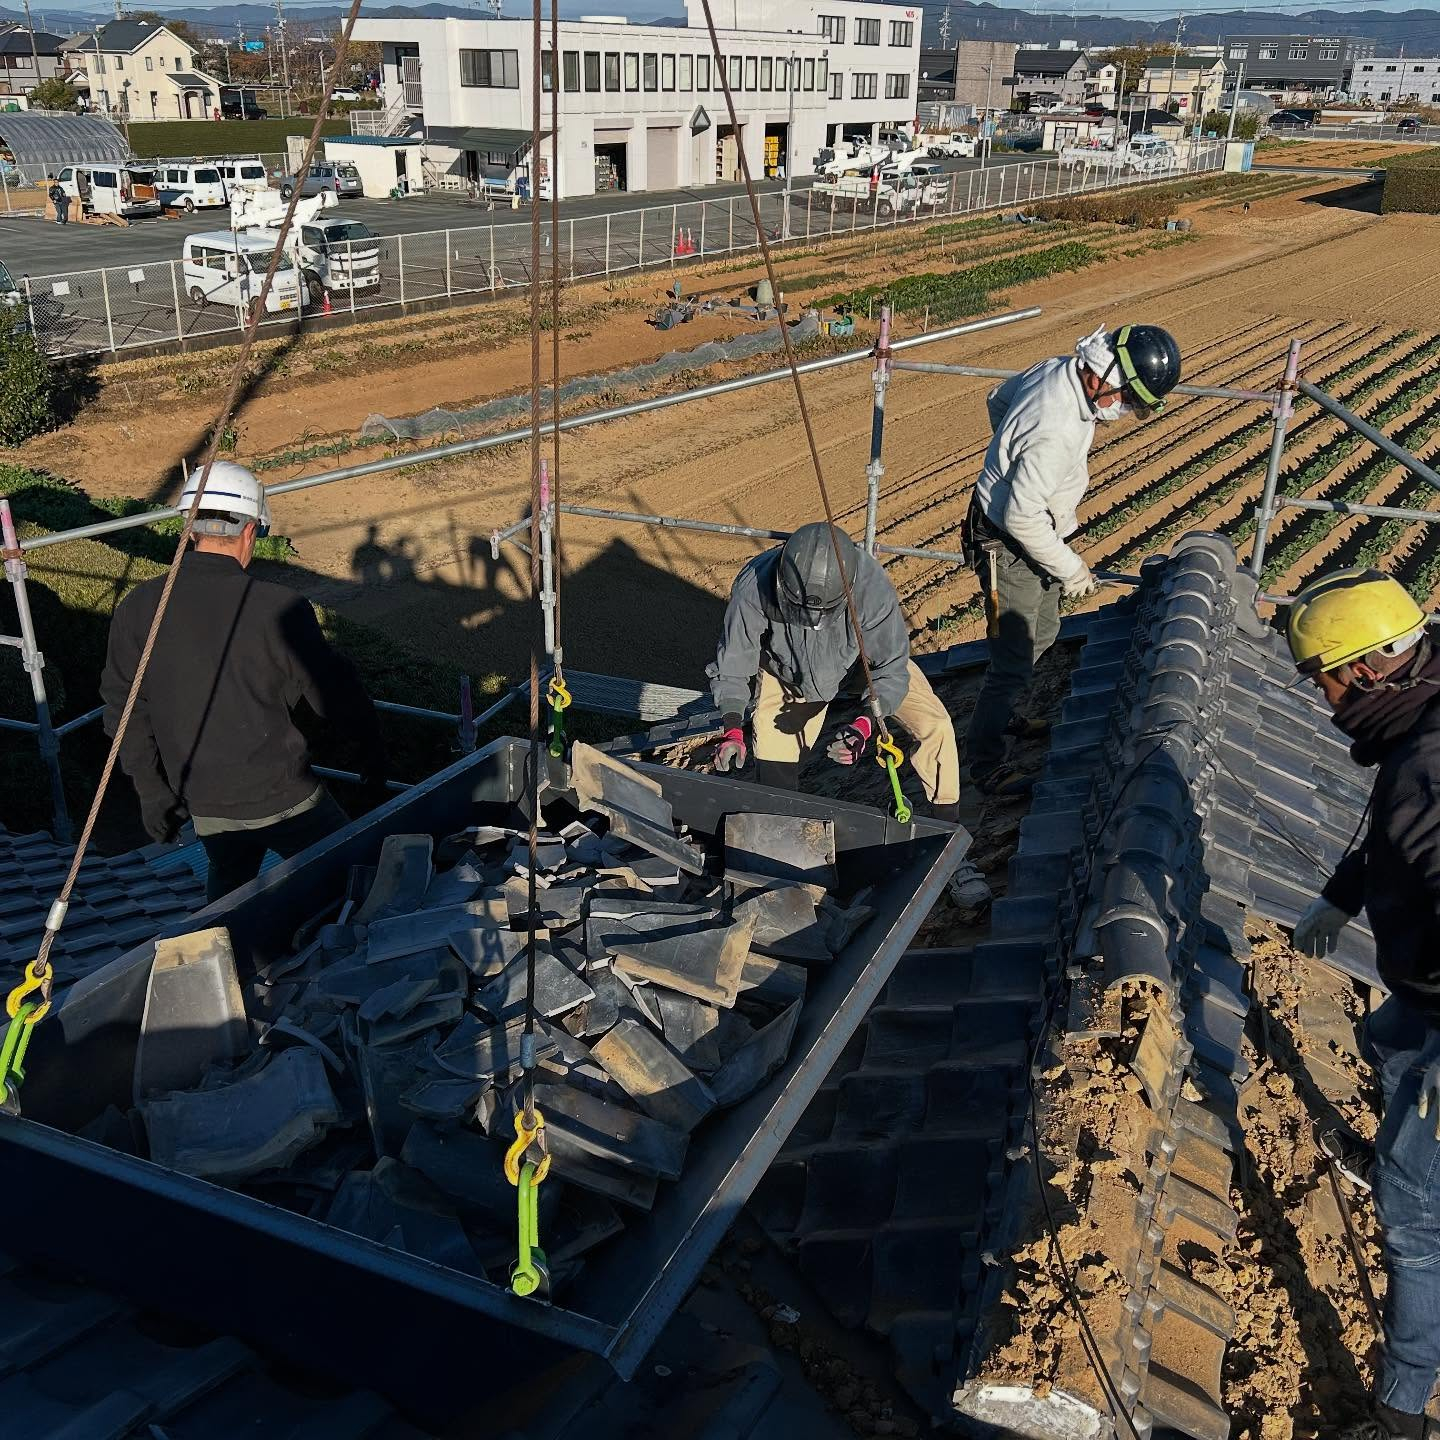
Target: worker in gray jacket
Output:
[
  {"x": 788, "y": 646},
  {"x": 1036, "y": 473}
]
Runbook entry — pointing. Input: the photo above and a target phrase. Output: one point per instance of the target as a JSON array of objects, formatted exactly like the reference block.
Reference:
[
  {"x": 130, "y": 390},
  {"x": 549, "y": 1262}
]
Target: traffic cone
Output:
[{"x": 325, "y": 306}]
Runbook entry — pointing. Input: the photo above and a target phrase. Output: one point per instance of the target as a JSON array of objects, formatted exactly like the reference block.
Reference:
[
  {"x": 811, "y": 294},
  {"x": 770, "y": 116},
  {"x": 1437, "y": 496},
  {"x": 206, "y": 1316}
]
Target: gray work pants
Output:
[{"x": 1023, "y": 626}]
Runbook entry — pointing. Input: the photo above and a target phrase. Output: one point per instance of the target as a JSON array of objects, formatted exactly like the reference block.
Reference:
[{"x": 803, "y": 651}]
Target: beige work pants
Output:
[{"x": 788, "y": 726}]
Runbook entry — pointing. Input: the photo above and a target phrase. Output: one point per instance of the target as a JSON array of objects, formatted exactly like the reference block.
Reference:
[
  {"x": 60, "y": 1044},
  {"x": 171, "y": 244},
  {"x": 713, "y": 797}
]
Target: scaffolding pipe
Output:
[
  {"x": 671, "y": 522},
  {"x": 1284, "y": 408},
  {"x": 985, "y": 372},
  {"x": 1375, "y": 437},
  {"x": 547, "y": 558},
  {"x": 34, "y": 663},
  {"x": 875, "y": 470},
  {"x": 511, "y": 437},
  {"x": 1345, "y": 507}
]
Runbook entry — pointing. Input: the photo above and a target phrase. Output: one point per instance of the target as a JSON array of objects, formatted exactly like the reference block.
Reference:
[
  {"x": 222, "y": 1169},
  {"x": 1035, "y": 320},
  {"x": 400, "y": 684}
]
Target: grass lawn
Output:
[{"x": 222, "y": 137}]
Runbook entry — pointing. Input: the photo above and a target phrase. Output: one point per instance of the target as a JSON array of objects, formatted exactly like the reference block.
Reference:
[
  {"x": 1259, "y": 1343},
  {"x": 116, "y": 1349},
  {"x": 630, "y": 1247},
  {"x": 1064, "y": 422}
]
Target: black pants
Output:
[{"x": 235, "y": 856}]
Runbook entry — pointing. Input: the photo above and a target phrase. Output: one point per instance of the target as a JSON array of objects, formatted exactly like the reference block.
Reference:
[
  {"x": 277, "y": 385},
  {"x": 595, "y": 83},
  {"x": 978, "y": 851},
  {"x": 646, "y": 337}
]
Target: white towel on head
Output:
[{"x": 1095, "y": 351}]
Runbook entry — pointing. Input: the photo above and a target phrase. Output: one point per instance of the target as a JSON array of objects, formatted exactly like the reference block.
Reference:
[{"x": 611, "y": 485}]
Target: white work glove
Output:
[
  {"x": 1318, "y": 929},
  {"x": 1430, "y": 1095},
  {"x": 1081, "y": 585}
]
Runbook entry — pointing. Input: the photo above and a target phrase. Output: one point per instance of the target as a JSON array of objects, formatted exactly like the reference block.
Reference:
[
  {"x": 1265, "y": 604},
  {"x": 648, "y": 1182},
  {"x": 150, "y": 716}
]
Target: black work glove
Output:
[{"x": 163, "y": 813}]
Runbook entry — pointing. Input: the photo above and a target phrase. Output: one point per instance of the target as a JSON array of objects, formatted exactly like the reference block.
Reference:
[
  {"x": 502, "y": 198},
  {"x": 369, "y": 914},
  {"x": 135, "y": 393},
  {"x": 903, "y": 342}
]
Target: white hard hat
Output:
[{"x": 231, "y": 492}]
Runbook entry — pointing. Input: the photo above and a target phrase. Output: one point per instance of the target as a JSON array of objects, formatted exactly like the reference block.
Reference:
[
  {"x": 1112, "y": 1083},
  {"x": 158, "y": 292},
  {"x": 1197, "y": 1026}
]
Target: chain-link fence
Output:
[{"x": 129, "y": 306}]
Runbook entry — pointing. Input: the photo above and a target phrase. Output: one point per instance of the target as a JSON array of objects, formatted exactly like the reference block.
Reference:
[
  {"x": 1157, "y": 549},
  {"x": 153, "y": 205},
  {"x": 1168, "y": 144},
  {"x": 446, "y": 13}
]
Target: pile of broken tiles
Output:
[{"x": 371, "y": 1078}]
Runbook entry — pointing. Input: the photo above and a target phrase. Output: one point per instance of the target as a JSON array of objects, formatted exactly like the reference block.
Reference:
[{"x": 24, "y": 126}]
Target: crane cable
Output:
[
  {"x": 29, "y": 1002},
  {"x": 527, "y": 1162},
  {"x": 888, "y": 752}
]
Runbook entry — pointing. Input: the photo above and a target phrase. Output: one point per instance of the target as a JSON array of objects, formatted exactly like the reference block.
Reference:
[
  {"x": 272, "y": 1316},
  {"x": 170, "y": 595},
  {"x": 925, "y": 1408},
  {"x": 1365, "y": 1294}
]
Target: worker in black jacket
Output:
[
  {"x": 211, "y": 737},
  {"x": 1363, "y": 641}
]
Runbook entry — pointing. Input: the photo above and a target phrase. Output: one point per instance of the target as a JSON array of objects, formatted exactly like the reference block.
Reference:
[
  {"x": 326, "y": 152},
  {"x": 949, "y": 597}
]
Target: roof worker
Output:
[
  {"x": 1034, "y": 477},
  {"x": 212, "y": 737},
  {"x": 1365, "y": 644},
  {"x": 788, "y": 646}
]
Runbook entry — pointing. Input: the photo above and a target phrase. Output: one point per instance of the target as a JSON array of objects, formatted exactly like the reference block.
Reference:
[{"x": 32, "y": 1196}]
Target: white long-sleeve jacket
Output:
[{"x": 1037, "y": 467}]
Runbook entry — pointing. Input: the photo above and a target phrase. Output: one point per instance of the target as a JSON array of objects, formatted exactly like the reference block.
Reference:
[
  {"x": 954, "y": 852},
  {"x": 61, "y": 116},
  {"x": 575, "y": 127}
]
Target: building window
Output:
[
  {"x": 632, "y": 72},
  {"x": 736, "y": 68},
  {"x": 767, "y": 73},
  {"x": 897, "y": 87},
  {"x": 867, "y": 32},
  {"x": 702, "y": 72},
  {"x": 1237, "y": 52},
  {"x": 592, "y": 70},
  {"x": 832, "y": 27},
  {"x": 809, "y": 74},
  {"x": 1367, "y": 68},
  {"x": 1391, "y": 69},
  {"x": 490, "y": 69},
  {"x": 864, "y": 87},
  {"x": 902, "y": 32},
  {"x": 752, "y": 71},
  {"x": 822, "y": 75},
  {"x": 651, "y": 71},
  {"x": 837, "y": 84},
  {"x": 547, "y": 70},
  {"x": 572, "y": 70},
  {"x": 667, "y": 72},
  {"x": 149, "y": 63},
  {"x": 612, "y": 70},
  {"x": 1329, "y": 52},
  {"x": 1299, "y": 52},
  {"x": 1266, "y": 52},
  {"x": 687, "y": 72},
  {"x": 120, "y": 62}
]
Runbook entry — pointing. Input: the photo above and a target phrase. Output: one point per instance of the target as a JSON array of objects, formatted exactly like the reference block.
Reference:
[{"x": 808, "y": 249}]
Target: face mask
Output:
[{"x": 1112, "y": 410}]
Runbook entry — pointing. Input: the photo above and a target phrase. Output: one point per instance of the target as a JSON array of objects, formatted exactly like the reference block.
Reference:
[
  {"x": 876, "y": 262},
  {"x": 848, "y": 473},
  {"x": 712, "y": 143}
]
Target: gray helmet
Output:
[{"x": 808, "y": 582}]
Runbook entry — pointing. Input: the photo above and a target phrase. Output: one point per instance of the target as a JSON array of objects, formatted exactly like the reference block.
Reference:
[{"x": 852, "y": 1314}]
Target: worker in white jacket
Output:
[{"x": 1035, "y": 475}]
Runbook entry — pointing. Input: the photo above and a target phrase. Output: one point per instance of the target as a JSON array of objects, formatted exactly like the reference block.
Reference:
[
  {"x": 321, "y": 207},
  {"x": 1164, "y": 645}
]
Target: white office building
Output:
[
  {"x": 874, "y": 53},
  {"x": 642, "y": 106},
  {"x": 1396, "y": 80}
]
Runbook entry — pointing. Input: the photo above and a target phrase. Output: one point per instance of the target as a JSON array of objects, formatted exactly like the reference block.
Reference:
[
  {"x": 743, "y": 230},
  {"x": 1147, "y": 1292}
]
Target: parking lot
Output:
[{"x": 136, "y": 292}]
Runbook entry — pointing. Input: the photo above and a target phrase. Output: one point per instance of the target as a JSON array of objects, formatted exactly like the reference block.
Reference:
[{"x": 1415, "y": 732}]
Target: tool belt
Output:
[{"x": 978, "y": 537}]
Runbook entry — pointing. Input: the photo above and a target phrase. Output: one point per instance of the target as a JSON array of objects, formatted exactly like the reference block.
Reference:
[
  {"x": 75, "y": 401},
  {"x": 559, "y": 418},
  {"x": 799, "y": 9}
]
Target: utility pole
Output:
[
  {"x": 34, "y": 48},
  {"x": 945, "y": 28},
  {"x": 1174, "y": 59},
  {"x": 1235, "y": 101},
  {"x": 792, "y": 75},
  {"x": 284, "y": 54},
  {"x": 985, "y": 124}
]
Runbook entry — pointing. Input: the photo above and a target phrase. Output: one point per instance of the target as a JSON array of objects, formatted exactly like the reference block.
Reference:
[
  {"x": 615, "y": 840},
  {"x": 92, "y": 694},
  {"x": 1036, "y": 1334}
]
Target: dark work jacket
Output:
[
  {"x": 1395, "y": 874},
  {"x": 212, "y": 725}
]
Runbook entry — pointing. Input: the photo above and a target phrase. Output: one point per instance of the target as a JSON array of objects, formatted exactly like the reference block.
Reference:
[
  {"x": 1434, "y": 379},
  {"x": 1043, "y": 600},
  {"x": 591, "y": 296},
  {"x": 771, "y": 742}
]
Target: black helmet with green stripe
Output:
[{"x": 1147, "y": 365}]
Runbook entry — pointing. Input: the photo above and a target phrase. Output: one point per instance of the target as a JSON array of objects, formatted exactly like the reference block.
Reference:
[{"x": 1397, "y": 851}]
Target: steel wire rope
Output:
[
  {"x": 41, "y": 968},
  {"x": 882, "y": 729},
  {"x": 559, "y": 656}
]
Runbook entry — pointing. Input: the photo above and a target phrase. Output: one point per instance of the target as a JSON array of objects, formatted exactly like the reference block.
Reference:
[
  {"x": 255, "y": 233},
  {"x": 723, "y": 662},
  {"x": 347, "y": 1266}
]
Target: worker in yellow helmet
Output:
[{"x": 1364, "y": 642}]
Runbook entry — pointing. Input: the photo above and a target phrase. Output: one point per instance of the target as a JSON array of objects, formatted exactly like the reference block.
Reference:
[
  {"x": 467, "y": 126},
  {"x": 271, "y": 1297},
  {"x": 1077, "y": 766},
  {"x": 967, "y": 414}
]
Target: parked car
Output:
[
  {"x": 112, "y": 189},
  {"x": 344, "y": 92},
  {"x": 1290, "y": 120},
  {"x": 191, "y": 187},
  {"x": 1409, "y": 125},
  {"x": 223, "y": 268},
  {"x": 324, "y": 175},
  {"x": 243, "y": 175},
  {"x": 338, "y": 254},
  {"x": 243, "y": 107}
]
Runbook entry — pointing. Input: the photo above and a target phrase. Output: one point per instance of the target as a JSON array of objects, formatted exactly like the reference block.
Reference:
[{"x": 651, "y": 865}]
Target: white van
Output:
[
  {"x": 222, "y": 268},
  {"x": 111, "y": 189},
  {"x": 243, "y": 175},
  {"x": 184, "y": 186}
]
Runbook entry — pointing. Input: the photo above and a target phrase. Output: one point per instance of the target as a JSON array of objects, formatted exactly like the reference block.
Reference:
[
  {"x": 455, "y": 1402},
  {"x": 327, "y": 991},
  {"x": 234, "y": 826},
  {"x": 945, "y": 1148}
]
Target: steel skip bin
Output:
[{"x": 424, "y": 1335}]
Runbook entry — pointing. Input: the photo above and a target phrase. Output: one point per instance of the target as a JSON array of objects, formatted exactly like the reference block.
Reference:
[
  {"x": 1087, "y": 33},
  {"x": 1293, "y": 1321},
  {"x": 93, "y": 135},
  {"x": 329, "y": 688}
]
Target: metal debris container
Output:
[{"x": 433, "y": 1339}]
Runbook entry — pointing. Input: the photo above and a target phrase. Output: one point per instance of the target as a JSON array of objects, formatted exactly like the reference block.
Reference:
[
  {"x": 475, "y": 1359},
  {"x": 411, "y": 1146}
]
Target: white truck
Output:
[
  {"x": 331, "y": 252},
  {"x": 956, "y": 145}
]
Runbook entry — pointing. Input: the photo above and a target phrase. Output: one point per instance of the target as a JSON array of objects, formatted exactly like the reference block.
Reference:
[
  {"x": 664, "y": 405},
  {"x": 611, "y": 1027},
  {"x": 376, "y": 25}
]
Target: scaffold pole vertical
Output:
[{"x": 1284, "y": 408}]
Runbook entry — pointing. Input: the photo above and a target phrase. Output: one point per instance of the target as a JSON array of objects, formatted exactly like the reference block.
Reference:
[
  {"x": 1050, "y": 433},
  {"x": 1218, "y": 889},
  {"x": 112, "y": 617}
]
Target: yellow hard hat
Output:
[{"x": 1348, "y": 615}]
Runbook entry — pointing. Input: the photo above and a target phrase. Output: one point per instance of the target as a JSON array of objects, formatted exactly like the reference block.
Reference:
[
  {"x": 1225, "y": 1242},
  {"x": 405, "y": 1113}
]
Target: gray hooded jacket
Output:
[{"x": 815, "y": 663}]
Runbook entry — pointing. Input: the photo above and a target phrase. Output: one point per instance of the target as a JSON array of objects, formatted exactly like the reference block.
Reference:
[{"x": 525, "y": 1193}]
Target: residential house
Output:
[
  {"x": 1045, "y": 78},
  {"x": 24, "y": 65},
  {"x": 1102, "y": 86},
  {"x": 1184, "y": 85},
  {"x": 140, "y": 70},
  {"x": 937, "y": 76}
]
